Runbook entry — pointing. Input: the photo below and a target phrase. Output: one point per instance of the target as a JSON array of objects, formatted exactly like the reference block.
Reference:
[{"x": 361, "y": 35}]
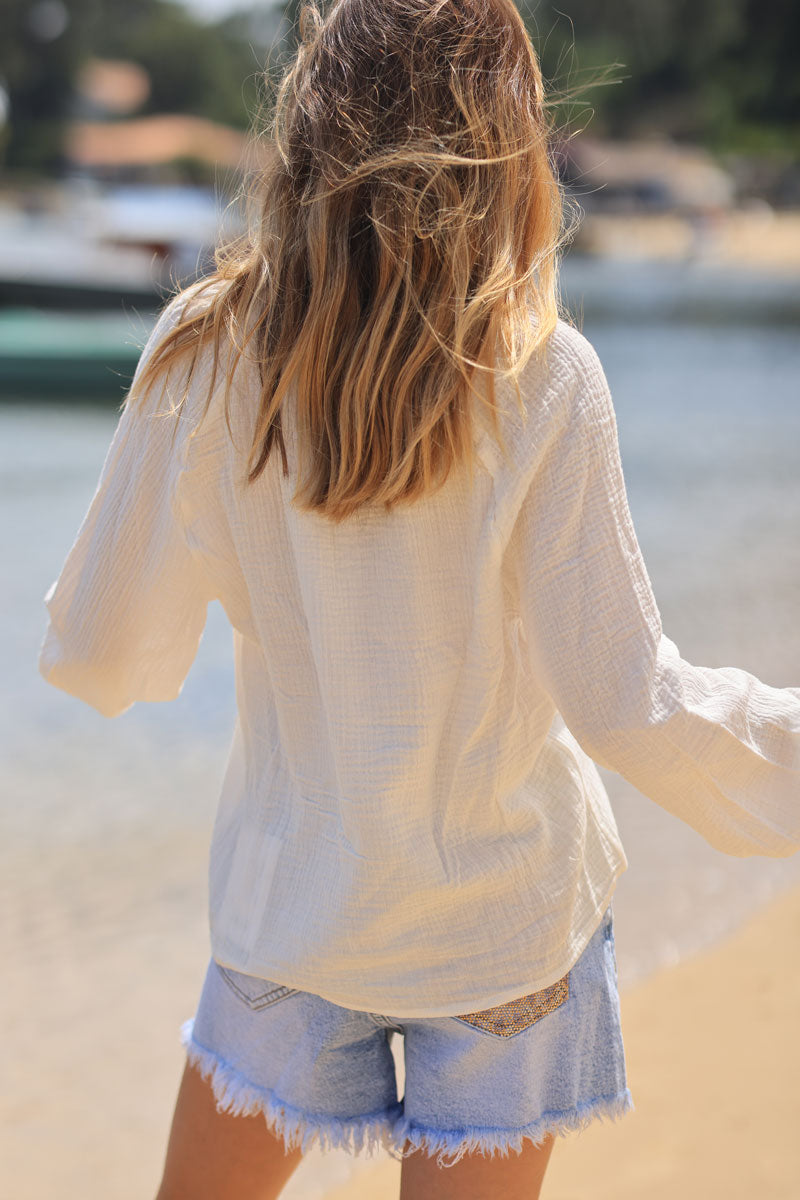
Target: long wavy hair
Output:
[{"x": 406, "y": 220}]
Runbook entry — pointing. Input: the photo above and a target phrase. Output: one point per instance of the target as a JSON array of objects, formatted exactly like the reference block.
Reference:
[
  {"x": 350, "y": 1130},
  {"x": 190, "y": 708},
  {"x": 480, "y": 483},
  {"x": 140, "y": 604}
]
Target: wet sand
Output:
[{"x": 713, "y": 1060}]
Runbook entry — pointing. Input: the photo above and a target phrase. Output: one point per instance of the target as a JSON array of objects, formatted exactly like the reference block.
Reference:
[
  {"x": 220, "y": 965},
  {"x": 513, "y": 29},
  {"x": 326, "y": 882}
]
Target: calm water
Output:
[{"x": 709, "y": 423}]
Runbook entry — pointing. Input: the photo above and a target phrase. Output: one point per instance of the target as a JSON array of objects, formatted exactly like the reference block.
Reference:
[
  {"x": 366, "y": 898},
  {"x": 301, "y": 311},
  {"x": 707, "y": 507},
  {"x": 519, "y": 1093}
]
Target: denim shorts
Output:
[{"x": 548, "y": 1062}]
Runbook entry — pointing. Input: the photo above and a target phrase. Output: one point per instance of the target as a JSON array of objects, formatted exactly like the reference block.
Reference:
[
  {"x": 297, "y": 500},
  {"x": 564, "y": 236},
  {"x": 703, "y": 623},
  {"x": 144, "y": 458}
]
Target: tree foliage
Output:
[
  {"x": 699, "y": 70},
  {"x": 718, "y": 72}
]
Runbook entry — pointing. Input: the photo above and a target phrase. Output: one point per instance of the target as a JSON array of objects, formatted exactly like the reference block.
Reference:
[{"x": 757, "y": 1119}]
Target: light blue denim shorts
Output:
[{"x": 549, "y": 1062}]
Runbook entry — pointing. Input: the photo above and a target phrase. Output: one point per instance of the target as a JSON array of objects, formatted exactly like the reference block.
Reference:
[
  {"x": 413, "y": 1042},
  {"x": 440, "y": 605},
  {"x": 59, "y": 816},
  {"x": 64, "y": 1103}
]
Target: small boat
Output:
[{"x": 99, "y": 248}]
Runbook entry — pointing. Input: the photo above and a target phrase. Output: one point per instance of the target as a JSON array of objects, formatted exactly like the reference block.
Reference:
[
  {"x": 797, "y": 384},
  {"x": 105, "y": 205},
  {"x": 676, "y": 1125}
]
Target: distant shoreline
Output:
[{"x": 759, "y": 238}]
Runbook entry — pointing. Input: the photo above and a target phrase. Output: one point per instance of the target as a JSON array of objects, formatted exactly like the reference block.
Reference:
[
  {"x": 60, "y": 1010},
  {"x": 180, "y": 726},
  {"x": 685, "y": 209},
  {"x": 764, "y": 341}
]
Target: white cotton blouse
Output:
[{"x": 411, "y": 821}]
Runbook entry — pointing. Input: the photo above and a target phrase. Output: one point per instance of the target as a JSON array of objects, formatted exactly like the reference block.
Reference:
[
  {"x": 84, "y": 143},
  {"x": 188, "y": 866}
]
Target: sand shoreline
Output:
[{"x": 760, "y": 239}]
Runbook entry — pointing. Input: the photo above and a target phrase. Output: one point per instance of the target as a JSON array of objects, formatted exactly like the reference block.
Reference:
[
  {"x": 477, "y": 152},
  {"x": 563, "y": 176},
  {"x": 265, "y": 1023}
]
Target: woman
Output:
[{"x": 372, "y": 437}]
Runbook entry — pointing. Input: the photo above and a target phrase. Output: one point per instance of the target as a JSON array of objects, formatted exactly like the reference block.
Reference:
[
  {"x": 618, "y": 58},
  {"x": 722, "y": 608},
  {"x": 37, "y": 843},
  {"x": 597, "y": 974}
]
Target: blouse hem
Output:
[{"x": 452, "y": 1008}]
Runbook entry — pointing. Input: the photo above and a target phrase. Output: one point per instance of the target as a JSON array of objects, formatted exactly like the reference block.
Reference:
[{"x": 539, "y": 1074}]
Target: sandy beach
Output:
[{"x": 713, "y": 1058}]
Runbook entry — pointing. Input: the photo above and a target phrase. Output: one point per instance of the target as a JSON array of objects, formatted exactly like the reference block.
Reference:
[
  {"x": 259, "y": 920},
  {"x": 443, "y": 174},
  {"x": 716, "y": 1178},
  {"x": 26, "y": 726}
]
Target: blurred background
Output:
[{"x": 122, "y": 137}]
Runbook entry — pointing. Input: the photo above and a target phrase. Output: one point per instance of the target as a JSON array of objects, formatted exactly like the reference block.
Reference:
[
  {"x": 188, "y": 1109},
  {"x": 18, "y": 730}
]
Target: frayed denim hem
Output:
[
  {"x": 235, "y": 1094},
  {"x": 452, "y": 1145}
]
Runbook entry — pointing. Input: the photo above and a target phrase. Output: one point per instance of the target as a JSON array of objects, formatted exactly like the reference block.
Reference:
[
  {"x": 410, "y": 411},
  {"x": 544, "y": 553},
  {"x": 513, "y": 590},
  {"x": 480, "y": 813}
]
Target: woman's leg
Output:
[
  {"x": 476, "y": 1177},
  {"x": 216, "y": 1156}
]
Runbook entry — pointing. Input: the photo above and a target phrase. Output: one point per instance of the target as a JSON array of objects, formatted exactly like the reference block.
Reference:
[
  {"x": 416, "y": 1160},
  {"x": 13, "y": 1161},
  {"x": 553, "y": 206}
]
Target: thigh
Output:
[
  {"x": 214, "y": 1155},
  {"x": 476, "y": 1177}
]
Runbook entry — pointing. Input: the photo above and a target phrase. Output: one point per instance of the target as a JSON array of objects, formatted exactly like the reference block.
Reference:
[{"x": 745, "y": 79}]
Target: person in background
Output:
[{"x": 373, "y": 437}]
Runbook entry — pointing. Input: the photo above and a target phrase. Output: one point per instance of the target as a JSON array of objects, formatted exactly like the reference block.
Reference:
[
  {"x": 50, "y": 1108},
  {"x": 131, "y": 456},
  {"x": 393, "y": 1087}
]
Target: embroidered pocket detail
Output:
[
  {"x": 515, "y": 1016},
  {"x": 256, "y": 993}
]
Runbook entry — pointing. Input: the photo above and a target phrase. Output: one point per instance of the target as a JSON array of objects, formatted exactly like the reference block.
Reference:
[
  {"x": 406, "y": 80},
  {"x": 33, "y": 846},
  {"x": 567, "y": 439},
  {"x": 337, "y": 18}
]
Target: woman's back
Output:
[
  {"x": 390, "y": 754},
  {"x": 421, "y": 692}
]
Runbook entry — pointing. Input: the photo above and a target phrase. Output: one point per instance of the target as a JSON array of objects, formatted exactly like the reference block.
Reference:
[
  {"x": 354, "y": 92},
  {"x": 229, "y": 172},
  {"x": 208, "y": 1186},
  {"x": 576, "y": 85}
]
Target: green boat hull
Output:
[{"x": 69, "y": 355}]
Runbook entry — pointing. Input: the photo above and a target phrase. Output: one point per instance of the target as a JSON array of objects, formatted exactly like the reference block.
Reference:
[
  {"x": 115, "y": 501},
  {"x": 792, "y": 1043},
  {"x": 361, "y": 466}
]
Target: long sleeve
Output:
[
  {"x": 716, "y": 747},
  {"x": 128, "y": 609}
]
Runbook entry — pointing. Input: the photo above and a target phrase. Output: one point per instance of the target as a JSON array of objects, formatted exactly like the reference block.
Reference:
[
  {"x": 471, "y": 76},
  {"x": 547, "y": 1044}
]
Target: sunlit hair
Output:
[{"x": 406, "y": 225}]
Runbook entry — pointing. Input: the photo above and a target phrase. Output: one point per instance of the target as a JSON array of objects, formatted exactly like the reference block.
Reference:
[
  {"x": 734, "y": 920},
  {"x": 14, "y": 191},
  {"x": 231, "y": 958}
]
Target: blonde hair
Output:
[{"x": 406, "y": 225}]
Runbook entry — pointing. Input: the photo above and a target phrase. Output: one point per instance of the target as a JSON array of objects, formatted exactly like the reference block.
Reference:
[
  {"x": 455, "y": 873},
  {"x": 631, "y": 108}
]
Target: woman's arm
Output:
[
  {"x": 128, "y": 609},
  {"x": 716, "y": 747}
]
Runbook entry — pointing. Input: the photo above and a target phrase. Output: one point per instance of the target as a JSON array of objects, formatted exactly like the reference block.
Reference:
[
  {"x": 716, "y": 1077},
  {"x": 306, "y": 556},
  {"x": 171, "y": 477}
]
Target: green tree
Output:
[
  {"x": 719, "y": 72},
  {"x": 40, "y": 50},
  {"x": 193, "y": 67},
  {"x": 207, "y": 69}
]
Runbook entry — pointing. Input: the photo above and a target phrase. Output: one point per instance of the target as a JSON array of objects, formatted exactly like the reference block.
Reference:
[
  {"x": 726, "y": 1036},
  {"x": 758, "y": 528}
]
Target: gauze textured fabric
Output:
[{"x": 411, "y": 819}]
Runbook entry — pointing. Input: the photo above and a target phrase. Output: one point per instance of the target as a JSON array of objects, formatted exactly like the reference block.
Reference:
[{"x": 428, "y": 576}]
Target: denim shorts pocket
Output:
[
  {"x": 254, "y": 992},
  {"x": 515, "y": 1016}
]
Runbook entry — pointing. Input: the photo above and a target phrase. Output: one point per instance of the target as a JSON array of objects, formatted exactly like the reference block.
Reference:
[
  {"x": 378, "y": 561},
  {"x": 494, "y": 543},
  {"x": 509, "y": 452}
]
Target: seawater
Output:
[{"x": 709, "y": 428}]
